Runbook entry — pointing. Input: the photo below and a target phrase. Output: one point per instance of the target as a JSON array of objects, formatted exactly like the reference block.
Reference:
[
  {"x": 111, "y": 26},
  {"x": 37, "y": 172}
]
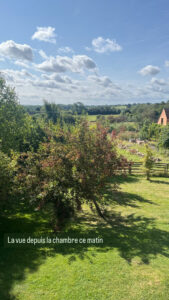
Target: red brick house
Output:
[{"x": 164, "y": 117}]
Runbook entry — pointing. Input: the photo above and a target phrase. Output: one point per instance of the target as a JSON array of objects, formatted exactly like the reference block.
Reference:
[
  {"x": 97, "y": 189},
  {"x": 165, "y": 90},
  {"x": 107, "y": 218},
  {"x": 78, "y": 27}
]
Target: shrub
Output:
[
  {"x": 7, "y": 168},
  {"x": 73, "y": 169},
  {"x": 127, "y": 135},
  {"x": 148, "y": 162},
  {"x": 164, "y": 137}
]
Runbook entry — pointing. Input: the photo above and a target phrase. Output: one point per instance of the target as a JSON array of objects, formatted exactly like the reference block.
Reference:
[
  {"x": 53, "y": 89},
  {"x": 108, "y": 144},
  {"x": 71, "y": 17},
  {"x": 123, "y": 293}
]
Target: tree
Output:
[
  {"x": 144, "y": 132},
  {"x": 70, "y": 170},
  {"x": 52, "y": 112},
  {"x": 164, "y": 137},
  {"x": 18, "y": 131},
  {"x": 7, "y": 171},
  {"x": 78, "y": 108},
  {"x": 148, "y": 162},
  {"x": 11, "y": 118}
]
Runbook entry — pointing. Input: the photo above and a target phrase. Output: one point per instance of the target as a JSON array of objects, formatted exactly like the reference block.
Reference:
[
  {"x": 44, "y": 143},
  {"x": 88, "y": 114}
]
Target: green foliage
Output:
[
  {"x": 18, "y": 131},
  {"x": 34, "y": 134},
  {"x": 144, "y": 132},
  {"x": 11, "y": 119},
  {"x": 78, "y": 108},
  {"x": 52, "y": 112},
  {"x": 73, "y": 168},
  {"x": 7, "y": 171},
  {"x": 150, "y": 130},
  {"x": 164, "y": 137},
  {"x": 143, "y": 111},
  {"x": 148, "y": 162},
  {"x": 69, "y": 118},
  {"x": 154, "y": 130}
]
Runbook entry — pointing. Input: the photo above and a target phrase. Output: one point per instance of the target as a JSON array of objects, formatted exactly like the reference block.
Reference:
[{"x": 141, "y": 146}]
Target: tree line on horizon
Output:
[{"x": 130, "y": 112}]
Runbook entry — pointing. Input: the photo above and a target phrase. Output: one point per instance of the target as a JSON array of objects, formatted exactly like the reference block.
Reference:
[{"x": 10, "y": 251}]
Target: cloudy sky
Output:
[{"x": 93, "y": 51}]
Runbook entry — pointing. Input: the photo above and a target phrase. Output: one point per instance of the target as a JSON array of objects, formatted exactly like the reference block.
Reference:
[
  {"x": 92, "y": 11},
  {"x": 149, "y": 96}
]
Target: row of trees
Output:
[{"x": 78, "y": 109}]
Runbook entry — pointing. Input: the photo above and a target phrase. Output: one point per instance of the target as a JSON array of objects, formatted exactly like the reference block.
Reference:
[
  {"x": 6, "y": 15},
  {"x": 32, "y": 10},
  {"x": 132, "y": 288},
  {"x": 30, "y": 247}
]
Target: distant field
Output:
[{"x": 93, "y": 118}]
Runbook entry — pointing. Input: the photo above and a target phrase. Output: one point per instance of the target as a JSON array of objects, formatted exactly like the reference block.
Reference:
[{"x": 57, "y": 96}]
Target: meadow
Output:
[{"x": 132, "y": 263}]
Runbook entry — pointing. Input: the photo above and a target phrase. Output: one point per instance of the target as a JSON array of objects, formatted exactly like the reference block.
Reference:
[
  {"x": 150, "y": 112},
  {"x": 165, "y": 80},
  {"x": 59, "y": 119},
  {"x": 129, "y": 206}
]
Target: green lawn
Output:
[{"x": 132, "y": 263}]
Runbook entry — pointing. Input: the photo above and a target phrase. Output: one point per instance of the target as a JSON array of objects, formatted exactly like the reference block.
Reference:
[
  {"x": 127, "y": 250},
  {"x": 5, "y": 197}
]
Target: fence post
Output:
[{"x": 130, "y": 171}]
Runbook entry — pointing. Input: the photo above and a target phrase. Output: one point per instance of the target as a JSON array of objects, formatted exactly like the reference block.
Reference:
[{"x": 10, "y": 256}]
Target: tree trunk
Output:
[{"x": 98, "y": 209}]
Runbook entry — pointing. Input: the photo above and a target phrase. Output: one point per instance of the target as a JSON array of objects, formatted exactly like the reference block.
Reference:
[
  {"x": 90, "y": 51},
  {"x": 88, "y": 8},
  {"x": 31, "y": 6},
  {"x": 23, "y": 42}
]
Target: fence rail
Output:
[{"x": 138, "y": 168}]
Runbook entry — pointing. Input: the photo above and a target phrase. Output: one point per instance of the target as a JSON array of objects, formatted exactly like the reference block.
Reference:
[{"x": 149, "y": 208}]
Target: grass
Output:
[
  {"x": 91, "y": 118},
  {"x": 141, "y": 148},
  {"x": 132, "y": 263}
]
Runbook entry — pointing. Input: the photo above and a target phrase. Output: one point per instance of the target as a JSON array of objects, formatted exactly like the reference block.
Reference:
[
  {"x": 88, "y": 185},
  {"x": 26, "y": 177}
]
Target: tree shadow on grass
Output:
[
  {"x": 14, "y": 262},
  {"x": 117, "y": 197},
  {"x": 124, "y": 178},
  {"x": 132, "y": 236},
  {"x": 159, "y": 181}
]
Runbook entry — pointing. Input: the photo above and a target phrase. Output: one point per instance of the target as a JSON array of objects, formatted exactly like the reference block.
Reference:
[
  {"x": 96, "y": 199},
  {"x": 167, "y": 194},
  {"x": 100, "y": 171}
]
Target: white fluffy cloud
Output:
[
  {"x": 102, "y": 45},
  {"x": 57, "y": 78},
  {"x": 21, "y": 64},
  {"x": 93, "y": 89},
  {"x": 11, "y": 49},
  {"x": 65, "y": 50},
  {"x": 149, "y": 70},
  {"x": 45, "y": 34},
  {"x": 61, "y": 64},
  {"x": 158, "y": 81},
  {"x": 101, "y": 80},
  {"x": 16, "y": 76},
  {"x": 43, "y": 54}
]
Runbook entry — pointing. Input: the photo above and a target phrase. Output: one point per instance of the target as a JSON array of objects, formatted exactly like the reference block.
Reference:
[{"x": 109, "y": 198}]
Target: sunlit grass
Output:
[{"x": 131, "y": 264}]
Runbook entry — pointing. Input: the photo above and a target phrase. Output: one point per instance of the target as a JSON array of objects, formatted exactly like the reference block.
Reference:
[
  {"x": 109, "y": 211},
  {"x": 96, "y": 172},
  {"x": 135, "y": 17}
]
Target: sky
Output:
[{"x": 90, "y": 51}]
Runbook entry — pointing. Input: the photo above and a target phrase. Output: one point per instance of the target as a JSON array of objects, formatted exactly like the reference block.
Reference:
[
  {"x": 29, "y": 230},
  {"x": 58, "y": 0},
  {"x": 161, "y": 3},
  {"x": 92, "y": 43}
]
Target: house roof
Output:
[{"x": 167, "y": 112}]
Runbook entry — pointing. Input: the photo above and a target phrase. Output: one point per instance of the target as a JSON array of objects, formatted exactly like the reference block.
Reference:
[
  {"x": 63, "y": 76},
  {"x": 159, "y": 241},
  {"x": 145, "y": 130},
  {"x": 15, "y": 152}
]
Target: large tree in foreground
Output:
[
  {"x": 72, "y": 170},
  {"x": 18, "y": 131},
  {"x": 12, "y": 119}
]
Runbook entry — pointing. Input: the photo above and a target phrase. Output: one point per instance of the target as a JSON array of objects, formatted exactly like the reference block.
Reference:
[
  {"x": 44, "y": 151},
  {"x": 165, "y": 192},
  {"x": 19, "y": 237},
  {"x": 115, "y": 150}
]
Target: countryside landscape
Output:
[{"x": 84, "y": 151}]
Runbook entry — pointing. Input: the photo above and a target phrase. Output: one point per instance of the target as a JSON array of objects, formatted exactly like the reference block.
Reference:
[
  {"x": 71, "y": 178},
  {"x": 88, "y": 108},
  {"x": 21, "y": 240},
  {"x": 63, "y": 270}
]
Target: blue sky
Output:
[{"x": 96, "y": 52}]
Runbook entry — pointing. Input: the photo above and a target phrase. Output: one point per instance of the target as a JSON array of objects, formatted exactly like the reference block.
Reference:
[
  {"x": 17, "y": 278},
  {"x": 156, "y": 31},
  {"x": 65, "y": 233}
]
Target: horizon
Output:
[
  {"x": 94, "y": 52},
  {"x": 135, "y": 103}
]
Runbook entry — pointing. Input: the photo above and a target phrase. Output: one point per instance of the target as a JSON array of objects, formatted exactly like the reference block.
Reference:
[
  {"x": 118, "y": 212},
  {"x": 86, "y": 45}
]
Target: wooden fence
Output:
[{"x": 137, "y": 168}]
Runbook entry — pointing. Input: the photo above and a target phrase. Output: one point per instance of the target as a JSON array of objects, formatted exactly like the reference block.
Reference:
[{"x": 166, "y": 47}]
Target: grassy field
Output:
[
  {"x": 91, "y": 118},
  {"x": 164, "y": 157},
  {"x": 131, "y": 264}
]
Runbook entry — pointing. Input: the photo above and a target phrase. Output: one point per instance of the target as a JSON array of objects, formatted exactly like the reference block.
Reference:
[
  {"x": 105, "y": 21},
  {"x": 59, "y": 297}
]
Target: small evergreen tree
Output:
[{"x": 148, "y": 162}]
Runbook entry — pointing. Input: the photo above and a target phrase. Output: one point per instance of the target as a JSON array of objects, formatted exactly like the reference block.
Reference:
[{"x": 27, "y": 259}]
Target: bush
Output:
[
  {"x": 127, "y": 135},
  {"x": 164, "y": 137},
  {"x": 7, "y": 168},
  {"x": 70, "y": 170}
]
